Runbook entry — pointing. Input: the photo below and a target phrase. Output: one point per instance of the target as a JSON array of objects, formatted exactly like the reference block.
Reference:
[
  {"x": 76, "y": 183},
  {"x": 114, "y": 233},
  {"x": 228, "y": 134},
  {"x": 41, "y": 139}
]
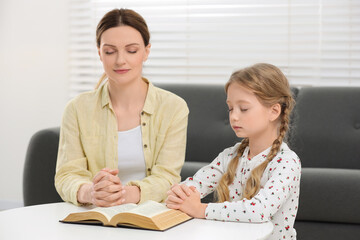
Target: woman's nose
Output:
[{"x": 120, "y": 60}]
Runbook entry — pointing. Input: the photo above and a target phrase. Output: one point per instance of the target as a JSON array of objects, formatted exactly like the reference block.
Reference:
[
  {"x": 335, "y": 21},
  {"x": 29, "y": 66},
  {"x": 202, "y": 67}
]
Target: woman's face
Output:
[
  {"x": 248, "y": 116},
  {"x": 122, "y": 52}
]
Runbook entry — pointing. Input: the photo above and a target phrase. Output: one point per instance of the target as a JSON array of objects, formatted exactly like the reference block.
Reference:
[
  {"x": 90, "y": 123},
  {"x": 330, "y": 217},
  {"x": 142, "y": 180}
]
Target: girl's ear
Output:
[{"x": 275, "y": 111}]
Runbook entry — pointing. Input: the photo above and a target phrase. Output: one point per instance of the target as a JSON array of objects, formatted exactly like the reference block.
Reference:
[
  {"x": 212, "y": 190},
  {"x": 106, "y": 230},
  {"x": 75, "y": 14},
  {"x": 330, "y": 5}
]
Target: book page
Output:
[
  {"x": 149, "y": 209},
  {"x": 109, "y": 212}
]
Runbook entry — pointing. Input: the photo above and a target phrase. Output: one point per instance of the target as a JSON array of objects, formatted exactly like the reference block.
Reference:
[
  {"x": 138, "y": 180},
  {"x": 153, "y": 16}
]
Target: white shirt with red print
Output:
[{"x": 277, "y": 200}]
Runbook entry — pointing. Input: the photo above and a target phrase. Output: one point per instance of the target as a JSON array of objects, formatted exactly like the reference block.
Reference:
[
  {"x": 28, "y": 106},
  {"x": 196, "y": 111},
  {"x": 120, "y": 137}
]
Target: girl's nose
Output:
[{"x": 233, "y": 116}]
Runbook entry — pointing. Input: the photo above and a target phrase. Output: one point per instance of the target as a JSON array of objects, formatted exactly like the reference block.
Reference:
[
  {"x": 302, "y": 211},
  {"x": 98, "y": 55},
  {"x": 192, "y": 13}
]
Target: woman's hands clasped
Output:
[{"x": 106, "y": 190}]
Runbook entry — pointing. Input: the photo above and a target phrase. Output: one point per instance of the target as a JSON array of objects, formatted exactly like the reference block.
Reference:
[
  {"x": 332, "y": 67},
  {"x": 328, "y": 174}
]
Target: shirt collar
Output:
[
  {"x": 262, "y": 156},
  {"x": 149, "y": 100}
]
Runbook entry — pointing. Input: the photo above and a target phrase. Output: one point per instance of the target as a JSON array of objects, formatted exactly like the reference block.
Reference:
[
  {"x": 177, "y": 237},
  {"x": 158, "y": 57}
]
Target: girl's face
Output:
[
  {"x": 248, "y": 116},
  {"x": 122, "y": 52}
]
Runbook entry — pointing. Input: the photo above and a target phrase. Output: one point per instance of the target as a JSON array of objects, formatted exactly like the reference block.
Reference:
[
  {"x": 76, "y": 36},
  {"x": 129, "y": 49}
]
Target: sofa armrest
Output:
[{"x": 329, "y": 195}]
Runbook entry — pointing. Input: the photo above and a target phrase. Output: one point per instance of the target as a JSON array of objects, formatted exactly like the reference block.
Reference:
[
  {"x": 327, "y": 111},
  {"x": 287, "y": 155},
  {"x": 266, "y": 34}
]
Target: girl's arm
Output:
[
  {"x": 186, "y": 196},
  {"x": 207, "y": 178},
  {"x": 283, "y": 183}
]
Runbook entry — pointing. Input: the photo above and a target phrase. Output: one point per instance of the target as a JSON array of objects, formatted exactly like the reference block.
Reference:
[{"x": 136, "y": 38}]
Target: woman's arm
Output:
[
  {"x": 71, "y": 166},
  {"x": 73, "y": 180}
]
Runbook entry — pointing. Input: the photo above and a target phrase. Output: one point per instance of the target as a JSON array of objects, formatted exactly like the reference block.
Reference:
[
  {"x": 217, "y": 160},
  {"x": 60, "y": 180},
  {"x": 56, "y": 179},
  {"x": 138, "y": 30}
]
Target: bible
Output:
[{"x": 148, "y": 215}]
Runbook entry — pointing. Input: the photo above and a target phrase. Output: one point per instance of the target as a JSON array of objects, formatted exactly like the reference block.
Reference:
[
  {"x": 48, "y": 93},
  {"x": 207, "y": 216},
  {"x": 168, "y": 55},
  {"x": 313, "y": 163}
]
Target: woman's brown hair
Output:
[
  {"x": 121, "y": 17},
  {"x": 271, "y": 87}
]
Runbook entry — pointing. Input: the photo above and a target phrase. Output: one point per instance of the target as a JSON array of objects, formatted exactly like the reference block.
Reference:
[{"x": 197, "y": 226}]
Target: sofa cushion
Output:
[
  {"x": 307, "y": 230},
  {"x": 329, "y": 195}
]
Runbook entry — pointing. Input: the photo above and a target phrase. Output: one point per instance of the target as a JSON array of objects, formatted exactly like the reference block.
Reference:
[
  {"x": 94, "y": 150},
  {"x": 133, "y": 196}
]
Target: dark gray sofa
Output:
[{"x": 325, "y": 134}]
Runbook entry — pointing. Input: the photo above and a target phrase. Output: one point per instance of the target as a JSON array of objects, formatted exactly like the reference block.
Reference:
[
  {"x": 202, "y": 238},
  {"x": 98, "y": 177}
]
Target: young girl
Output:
[{"x": 258, "y": 179}]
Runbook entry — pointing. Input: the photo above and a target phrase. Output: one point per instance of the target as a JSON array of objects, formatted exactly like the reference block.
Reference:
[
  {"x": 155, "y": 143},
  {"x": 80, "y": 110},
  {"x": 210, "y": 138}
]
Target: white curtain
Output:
[{"x": 314, "y": 42}]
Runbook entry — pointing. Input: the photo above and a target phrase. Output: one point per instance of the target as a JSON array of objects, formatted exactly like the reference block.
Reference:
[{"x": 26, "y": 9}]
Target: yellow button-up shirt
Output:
[{"x": 89, "y": 138}]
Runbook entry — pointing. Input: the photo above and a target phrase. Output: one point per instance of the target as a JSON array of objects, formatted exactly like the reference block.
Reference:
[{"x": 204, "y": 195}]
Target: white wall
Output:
[{"x": 33, "y": 82}]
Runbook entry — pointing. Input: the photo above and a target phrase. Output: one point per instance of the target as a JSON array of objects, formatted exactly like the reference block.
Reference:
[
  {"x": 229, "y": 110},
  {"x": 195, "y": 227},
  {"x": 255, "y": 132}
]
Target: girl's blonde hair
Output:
[{"x": 271, "y": 87}]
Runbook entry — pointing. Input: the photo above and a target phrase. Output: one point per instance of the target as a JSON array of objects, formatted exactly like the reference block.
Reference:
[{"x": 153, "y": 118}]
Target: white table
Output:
[{"x": 42, "y": 222}]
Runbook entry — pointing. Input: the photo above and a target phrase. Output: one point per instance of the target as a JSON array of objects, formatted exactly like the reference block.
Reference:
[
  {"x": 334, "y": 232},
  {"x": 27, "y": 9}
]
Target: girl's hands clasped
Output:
[{"x": 187, "y": 199}]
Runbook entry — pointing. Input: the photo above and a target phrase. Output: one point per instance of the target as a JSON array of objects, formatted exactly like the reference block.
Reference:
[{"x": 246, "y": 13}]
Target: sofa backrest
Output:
[
  {"x": 325, "y": 134},
  {"x": 209, "y": 131},
  {"x": 326, "y": 127},
  {"x": 325, "y": 124}
]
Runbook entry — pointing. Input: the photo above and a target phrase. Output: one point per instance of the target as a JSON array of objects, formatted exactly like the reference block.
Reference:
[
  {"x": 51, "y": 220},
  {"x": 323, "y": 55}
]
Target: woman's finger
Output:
[
  {"x": 108, "y": 179},
  {"x": 111, "y": 171},
  {"x": 99, "y": 176},
  {"x": 114, "y": 197},
  {"x": 115, "y": 179},
  {"x": 107, "y": 174},
  {"x": 112, "y": 188}
]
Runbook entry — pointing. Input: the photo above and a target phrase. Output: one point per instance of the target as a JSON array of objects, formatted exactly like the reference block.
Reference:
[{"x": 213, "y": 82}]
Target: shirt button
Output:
[
  {"x": 145, "y": 145},
  {"x": 149, "y": 169},
  {"x": 142, "y": 113},
  {"x": 144, "y": 124}
]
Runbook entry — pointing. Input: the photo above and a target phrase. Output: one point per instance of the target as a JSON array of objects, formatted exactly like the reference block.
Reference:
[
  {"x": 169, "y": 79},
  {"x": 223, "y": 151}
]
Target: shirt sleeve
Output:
[
  {"x": 284, "y": 180},
  {"x": 169, "y": 160},
  {"x": 207, "y": 178},
  {"x": 71, "y": 166}
]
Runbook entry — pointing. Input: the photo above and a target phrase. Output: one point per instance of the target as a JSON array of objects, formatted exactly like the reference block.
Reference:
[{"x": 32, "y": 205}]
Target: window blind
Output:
[{"x": 314, "y": 42}]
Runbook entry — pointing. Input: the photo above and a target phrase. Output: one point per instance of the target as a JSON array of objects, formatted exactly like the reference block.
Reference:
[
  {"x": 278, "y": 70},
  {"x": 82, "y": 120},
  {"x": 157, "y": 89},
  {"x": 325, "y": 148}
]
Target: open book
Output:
[{"x": 148, "y": 215}]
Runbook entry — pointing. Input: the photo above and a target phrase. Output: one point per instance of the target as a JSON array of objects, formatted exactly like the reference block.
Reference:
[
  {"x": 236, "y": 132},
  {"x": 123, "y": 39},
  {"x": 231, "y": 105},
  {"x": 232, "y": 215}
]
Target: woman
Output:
[{"x": 125, "y": 141}]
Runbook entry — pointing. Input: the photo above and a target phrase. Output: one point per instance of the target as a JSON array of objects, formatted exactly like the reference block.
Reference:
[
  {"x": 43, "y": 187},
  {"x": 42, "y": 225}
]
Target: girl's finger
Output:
[
  {"x": 174, "y": 199},
  {"x": 185, "y": 189},
  {"x": 178, "y": 191},
  {"x": 173, "y": 206}
]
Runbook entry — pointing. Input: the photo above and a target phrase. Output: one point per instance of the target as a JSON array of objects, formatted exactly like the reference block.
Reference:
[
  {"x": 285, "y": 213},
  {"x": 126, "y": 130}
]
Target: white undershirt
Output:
[{"x": 131, "y": 162}]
